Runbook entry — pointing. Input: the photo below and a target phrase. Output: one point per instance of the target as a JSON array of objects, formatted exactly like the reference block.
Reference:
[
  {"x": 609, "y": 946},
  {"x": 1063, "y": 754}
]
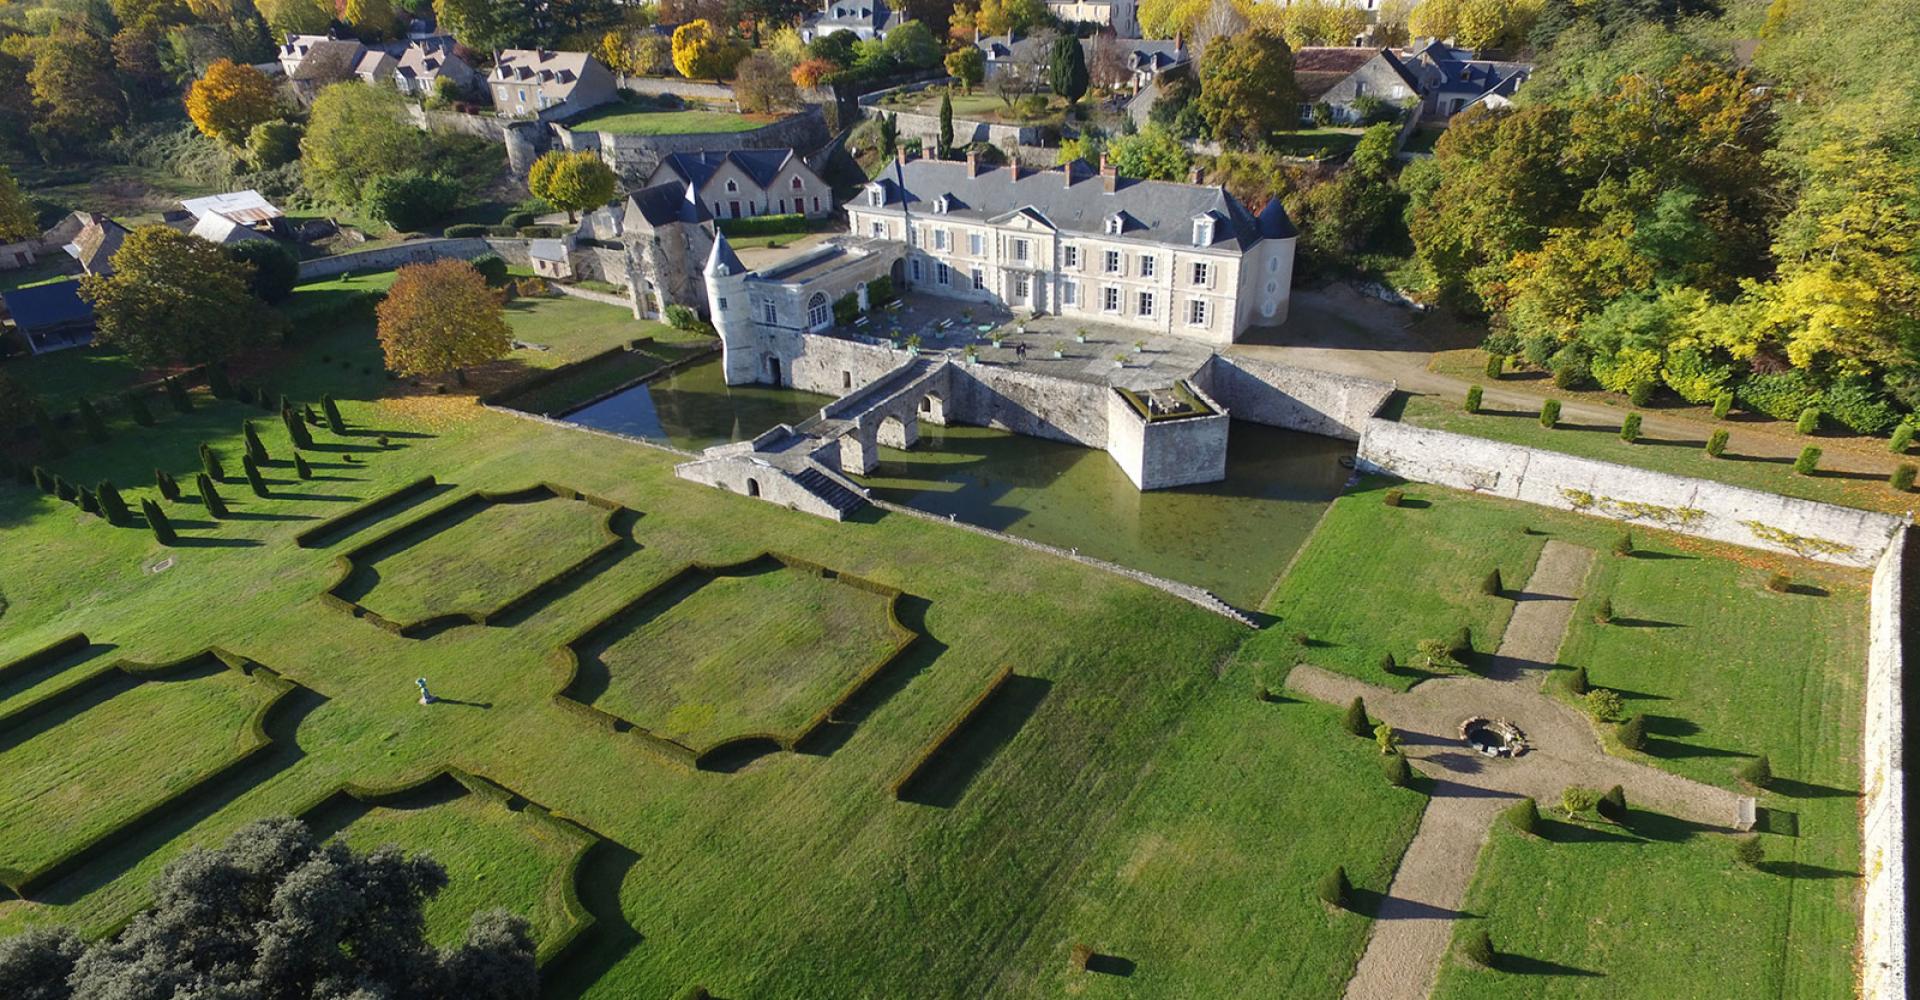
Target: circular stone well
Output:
[{"x": 1494, "y": 737}]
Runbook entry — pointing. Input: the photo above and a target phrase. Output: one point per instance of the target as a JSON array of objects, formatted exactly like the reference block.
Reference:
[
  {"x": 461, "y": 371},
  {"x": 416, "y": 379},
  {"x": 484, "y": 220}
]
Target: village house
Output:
[
  {"x": 311, "y": 62},
  {"x": 1156, "y": 256},
  {"x": 1340, "y": 76},
  {"x": 1123, "y": 16},
  {"x": 548, "y": 85},
  {"x": 1452, "y": 80},
  {"x": 1146, "y": 59},
  {"x": 93, "y": 241},
  {"x": 867, "y": 19},
  {"x": 742, "y": 183},
  {"x": 48, "y": 317},
  {"x": 235, "y": 217}
]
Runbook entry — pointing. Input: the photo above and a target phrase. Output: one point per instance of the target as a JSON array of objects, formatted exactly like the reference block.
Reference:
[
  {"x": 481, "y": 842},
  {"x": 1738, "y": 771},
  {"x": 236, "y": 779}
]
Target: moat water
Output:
[
  {"x": 1232, "y": 537},
  {"x": 695, "y": 408}
]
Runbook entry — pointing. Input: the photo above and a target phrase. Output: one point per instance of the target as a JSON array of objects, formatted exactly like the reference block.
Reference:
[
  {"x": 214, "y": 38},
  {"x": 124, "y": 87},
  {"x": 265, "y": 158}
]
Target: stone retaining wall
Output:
[
  {"x": 1680, "y": 504},
  {"x": 1883, "y": 916},
  {"x": 693, "y": 90},
  {"x": 388, "y": 258},
  {"x": 1297, "y": 399},
  {"x": 926, "y": 127},
  {"x": 573, "y": 292},
  {"x": 634, "y": 157}
]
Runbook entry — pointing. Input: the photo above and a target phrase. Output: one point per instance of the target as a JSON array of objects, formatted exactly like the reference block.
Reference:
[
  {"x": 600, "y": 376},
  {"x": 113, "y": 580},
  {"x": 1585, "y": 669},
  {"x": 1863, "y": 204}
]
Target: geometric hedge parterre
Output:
[{"x": 715, "y": 661}]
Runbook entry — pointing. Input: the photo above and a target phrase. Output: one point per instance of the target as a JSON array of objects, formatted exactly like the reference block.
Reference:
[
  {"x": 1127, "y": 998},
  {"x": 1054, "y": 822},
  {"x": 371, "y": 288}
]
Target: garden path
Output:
[{"x": 1414, "y": 922}]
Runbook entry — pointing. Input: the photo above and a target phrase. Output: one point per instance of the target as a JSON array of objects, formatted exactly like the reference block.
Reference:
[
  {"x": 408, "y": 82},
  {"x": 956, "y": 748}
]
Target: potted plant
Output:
[
  {"x": 1058, "y": 354},
  {"x": 1080, "y": 335},
  {"x": 973, "y": 354},
  {"x": 913, "y": 344},
  {"x": 1119, "y": 361},
  {"x": 997, "y": 336},
  {"x": 1139, "y": 345}
]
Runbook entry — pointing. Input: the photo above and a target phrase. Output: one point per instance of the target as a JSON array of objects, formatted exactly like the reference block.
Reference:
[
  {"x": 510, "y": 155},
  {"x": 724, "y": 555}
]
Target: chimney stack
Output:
[
  {"x": 900, "y": 155},
  {"x": 1108, "y": 174},
  {"x": 1193, "y": 175},
  {"x": 973, "y": 163},
  {"x": 1013, "y": 164},
  {"x": 1179, "y": 41}
]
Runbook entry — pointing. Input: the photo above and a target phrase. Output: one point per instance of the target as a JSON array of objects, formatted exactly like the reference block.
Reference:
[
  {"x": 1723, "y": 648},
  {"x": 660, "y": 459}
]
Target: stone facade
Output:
[
  {"x": 1298, "y": 399},
  {"x": 736, "y": 184},
  {"x": 388, "y": 258},
  {"x": 1696, "y": 507},
  {"x": 635, "y": 157},
  {"x": 1165, "y": 453}
]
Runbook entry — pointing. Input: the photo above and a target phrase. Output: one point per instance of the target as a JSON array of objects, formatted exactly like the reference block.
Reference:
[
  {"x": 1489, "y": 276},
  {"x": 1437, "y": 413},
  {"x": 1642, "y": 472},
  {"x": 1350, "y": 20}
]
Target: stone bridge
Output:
[{"x": 886, "y": 412}]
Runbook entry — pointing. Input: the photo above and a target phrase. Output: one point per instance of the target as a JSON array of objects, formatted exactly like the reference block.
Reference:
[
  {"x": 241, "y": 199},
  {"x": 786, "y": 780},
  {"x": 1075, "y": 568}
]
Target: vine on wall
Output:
[{"x": 1633, "y": 510}]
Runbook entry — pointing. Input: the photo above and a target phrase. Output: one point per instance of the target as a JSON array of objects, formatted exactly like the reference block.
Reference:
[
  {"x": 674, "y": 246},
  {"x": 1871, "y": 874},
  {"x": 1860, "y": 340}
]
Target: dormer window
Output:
[
  {"x": 1114, "y": 224},
  {"x": 1203, "y": 231},
  {"x": 940, "y": 205},
  {"x": 732, "y": 187},
  {"x": 876, "y": 197}
]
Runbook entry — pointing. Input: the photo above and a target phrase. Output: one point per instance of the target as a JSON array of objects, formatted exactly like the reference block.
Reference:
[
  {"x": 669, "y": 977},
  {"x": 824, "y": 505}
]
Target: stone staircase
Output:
[{"x": 828, "y": 490}]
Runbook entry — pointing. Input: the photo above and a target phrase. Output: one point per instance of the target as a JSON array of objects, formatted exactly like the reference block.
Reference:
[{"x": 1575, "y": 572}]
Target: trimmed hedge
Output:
[
  {"x": 931, "y": 750},
  {"x": 465, "y": 230},
  {"x": 318, "y": 535},
  {"x": 765, "y": 225},
  {"x": 45, "y": 656}
]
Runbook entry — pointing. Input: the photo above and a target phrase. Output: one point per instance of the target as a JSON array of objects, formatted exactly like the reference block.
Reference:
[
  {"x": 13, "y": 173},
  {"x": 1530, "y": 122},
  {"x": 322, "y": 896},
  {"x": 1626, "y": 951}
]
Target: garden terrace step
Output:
[{"x": 830, "y": 492}]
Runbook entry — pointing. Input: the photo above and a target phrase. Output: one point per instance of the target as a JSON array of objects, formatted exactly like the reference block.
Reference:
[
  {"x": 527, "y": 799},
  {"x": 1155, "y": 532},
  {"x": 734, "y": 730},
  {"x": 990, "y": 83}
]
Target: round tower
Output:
[{"x": 726, "y": 281}]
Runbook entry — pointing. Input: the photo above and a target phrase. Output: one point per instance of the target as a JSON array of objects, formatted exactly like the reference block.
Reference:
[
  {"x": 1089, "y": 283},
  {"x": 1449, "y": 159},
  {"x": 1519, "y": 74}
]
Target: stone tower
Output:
[{"x": 727, "y": 307}]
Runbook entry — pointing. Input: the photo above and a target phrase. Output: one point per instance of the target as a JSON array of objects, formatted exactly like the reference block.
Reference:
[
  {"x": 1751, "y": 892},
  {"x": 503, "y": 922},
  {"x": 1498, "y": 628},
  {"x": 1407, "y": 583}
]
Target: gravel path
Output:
[{"x": 1414, "y": 924}]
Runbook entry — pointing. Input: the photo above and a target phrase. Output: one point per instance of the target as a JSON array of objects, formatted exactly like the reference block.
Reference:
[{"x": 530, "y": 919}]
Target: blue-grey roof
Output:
[
  {"x": 762, "y": 165},
  {"x": 1074, "y": 198},
  {"x": 47, "y": 305},
  {"x": 547, "y": 250},
  {"x": 722, "y": 260},
  {"x": 664, "y": 204}
]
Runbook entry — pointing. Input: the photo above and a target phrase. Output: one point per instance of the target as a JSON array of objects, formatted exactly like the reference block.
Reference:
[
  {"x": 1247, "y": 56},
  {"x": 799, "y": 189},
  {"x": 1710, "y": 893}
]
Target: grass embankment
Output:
[
  {"x": 797, "y": 876},
  {"x": 617, "y": 118},
  {"x": 1723, "y": 668}
]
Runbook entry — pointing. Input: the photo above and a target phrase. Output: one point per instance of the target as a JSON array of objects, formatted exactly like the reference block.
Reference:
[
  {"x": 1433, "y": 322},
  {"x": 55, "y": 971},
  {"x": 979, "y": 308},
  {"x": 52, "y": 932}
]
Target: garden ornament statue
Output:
[{"x": 426, "y": 697}]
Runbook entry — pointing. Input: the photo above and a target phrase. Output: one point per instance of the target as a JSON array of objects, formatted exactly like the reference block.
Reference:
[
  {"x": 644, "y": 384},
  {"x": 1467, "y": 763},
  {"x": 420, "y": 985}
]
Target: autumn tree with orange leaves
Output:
[
  {"x": 230, "y": 100},
  {"x": 441, "y": 317}
]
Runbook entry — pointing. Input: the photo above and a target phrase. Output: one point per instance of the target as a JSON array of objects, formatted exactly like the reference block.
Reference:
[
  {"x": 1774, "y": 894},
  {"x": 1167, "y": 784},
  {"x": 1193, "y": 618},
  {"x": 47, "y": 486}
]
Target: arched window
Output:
[
  {"x": 732, "y": 187},
  {"x": 818, "y": 312},
  {"x": 797, "y": 185}
]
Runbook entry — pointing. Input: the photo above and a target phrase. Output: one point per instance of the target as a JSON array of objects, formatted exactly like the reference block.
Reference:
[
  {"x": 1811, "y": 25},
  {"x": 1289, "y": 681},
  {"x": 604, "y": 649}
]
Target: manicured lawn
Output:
[
  {"x": 494, "y": 856},
  {"x": 1420, "y": 566},
  {"x": 477, "y": 562},
  {"x": 62, "y": 378},
  {"x": 617, "y": 119},
  {"x": 586, "y": 383},
  {"x": 86, "y": 773},
  {"x": 1684, "y": 458},
  {"x": 763, "y": 651},
  {"x": 1336, "y": 142}
]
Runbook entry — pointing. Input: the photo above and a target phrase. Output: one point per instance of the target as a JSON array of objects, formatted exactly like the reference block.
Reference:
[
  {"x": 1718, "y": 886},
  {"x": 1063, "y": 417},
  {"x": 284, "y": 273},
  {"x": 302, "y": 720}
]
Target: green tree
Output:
[
  {"x": 372, "y": 20},
  {"x": 409, "y": 200},
  {"x": 163, "y": 533},
  {"x": 968, "y": 66},
  {"x": 1067, "y": 69},
  {"x": 17, "y": 220},
  {"x": 944, "y": 148},
  {"x": 276, "y": 912},
  {"x": 571, "y": 182},
  {"x": 1247, "y": 91},
  {"x": 441, "y": 317},
  {"x": 355, "y": 133},
  {"x": 275, "y": 268},
  {"x": 173, "y": 297},
  {"x": 74, "y": 90},
  {"x": 1153, "y": 153},
  {"x": 1355, "y": 720},
  {"x": 484, "y": 25}
]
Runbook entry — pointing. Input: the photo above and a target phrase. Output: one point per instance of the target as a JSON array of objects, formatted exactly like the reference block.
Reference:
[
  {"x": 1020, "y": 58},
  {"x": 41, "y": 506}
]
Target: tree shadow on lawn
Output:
[
  {"x": 1865, "y": 477},
  {"x": 1556, "y": 831},
  {"x": 1523, "y": 965},
  {"x": 1802, "y": 870},
  {"x": 1674, "y": 750},
  {"x": 1647, "y": 623},
  {"x": 911, "y": 611},
  {"x": 191, "y": 542},
  {"x": 1380, "y": 906},
  {"x": 241, "y": 515},
  {"x": 1649, "y": 825},
  {"x": 1807, "y": 790},
  {"x": 1667, "y": 725},
  {"x": 1110, "y": 965},
  {"x": 1447, "y": 788},
  {"x": 1656, "y": 555}
]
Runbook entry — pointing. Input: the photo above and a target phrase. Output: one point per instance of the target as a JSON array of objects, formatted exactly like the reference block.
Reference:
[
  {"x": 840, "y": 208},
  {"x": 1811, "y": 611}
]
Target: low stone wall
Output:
[
  {"x": 1883, "y": 916},
  {"x": 1298, "y": 399},
  {"x": 600, "y": 264},
  {"x": 1680, "y": 504},
  {"x": 634, "y": 157},
  {"x": 388, "y": 258},
  {"x": 926, "y": 127},
  {"x": 749, "y": 476},
  {"x": 1035, "y": 405},
  {"x": 692, "y": 90},
  {"x": 491, "y": 127},
  {"x": 590, "y": 295}
]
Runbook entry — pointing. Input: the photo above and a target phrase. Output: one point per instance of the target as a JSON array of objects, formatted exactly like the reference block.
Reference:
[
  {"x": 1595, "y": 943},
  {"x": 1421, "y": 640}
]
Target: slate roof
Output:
[
  {"x": 663, "y": 205},
  {"x": 552, "y": 251},
  {"x": 873, "y": 14},
  {"x": 328, "y": 59},
  {"x": 1158, "y": 211},
  {"x": 723, "y": 256},
  {"x": 95, "y": 244},
  {"x": 557, "y": 73},
  {"x": 1320, "y": 68},
  {"x": 761, "y": 165},
  {"x": 48, "y": 305}
]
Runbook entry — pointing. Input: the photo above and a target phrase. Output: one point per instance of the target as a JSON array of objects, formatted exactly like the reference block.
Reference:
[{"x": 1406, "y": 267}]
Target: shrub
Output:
[
  {"x": 1550, "y": 413},
  {"x": 1389, "y": 740},
  {"x": 300, "y": 466},
  {"x": 1757, "y": 772},
  {"x": 1723, "y": 404},
  {"x": 1435, "y": 653},
  {"x": 1398, "y": 772},
  {"x": 1577, "y": 682},
  {"x": 1387, "y": 666},
  {"x": 296, "y": 428},
  {"x": 1355, "y": 721},
  {"x": 517, "y": 220},
  {"x": 681, "y": 317},
  {"x": 1809, "y": 421},
  {"x": 53, "y": 444},
  {"x": 542, "y": 232},
  {"x": 1473, "y": 399},
  {"x": 492, "y": 268},
  {"x": 382, "y": 442},
  {"x": 1717, "y": 443},
  {"x": 1902, "y": 437},
  {"x": 1603, "y": 704},
  {"x": 112, "y": 506},
  {"x": 254, "y": 480},
  {"x": 1780, "y": 395},
  {"x": 210, "y": 463},
  {"x": 1856, "y": 404},
  {"x": 169, "y": 489},
  {"x": 1569, "y": 373},
  {"x": 209, "y": 496},
  {"x": 1902, "y": 478},
  {"x": 65, "y": 490},
  {"x": 1603, "y": 611},
  {"x": 136, "y": 408},
  {"x": 1633, "y": 732},
  {"x": 218, "y": 383},
  {"x": 90, "y": 419},
  {"x": 1623, "y": 546},
  {"x": 332, "y": 411},
  {"x": 1261, "y": 693},
  {"x": 1496, "y": 366},
  {"x": 1491, "y": 586},
  {"x": 1334, "y": 889},
  {"x": 1809, "y": 461},
  {"x": 1477, "y": 947},
  {"x": 1692, "y": 375},
  {"x": 1524, "y": 816},
  {"x": 43, "y": 480},
  {"x": 465, "y": 230},
  {"x": 1630, "y": 428},
  {"x": 1461, "y": 642},
  {"x": 244, "y": 394},
  {"x": 1576, "y": 800},
  {"x": 1078, "y": 959},
  {"x": 177, "y": 396},
  {"x": 1392, "y": 498},
  {"x": 1779, "y": 583},
  {"x": 1749, "y": 851},
  {"x": 1613, "y": 805},
  {"x": 157, "y": 520},
  {"x": 765, "y": 225},
  {"x": 88, "y": 502},
  {"x": 256, "y": 451}
]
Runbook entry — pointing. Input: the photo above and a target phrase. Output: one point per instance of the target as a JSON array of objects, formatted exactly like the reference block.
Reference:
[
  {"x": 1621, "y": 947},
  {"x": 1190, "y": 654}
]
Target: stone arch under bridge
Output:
[{"x": 888, "y": 415}]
